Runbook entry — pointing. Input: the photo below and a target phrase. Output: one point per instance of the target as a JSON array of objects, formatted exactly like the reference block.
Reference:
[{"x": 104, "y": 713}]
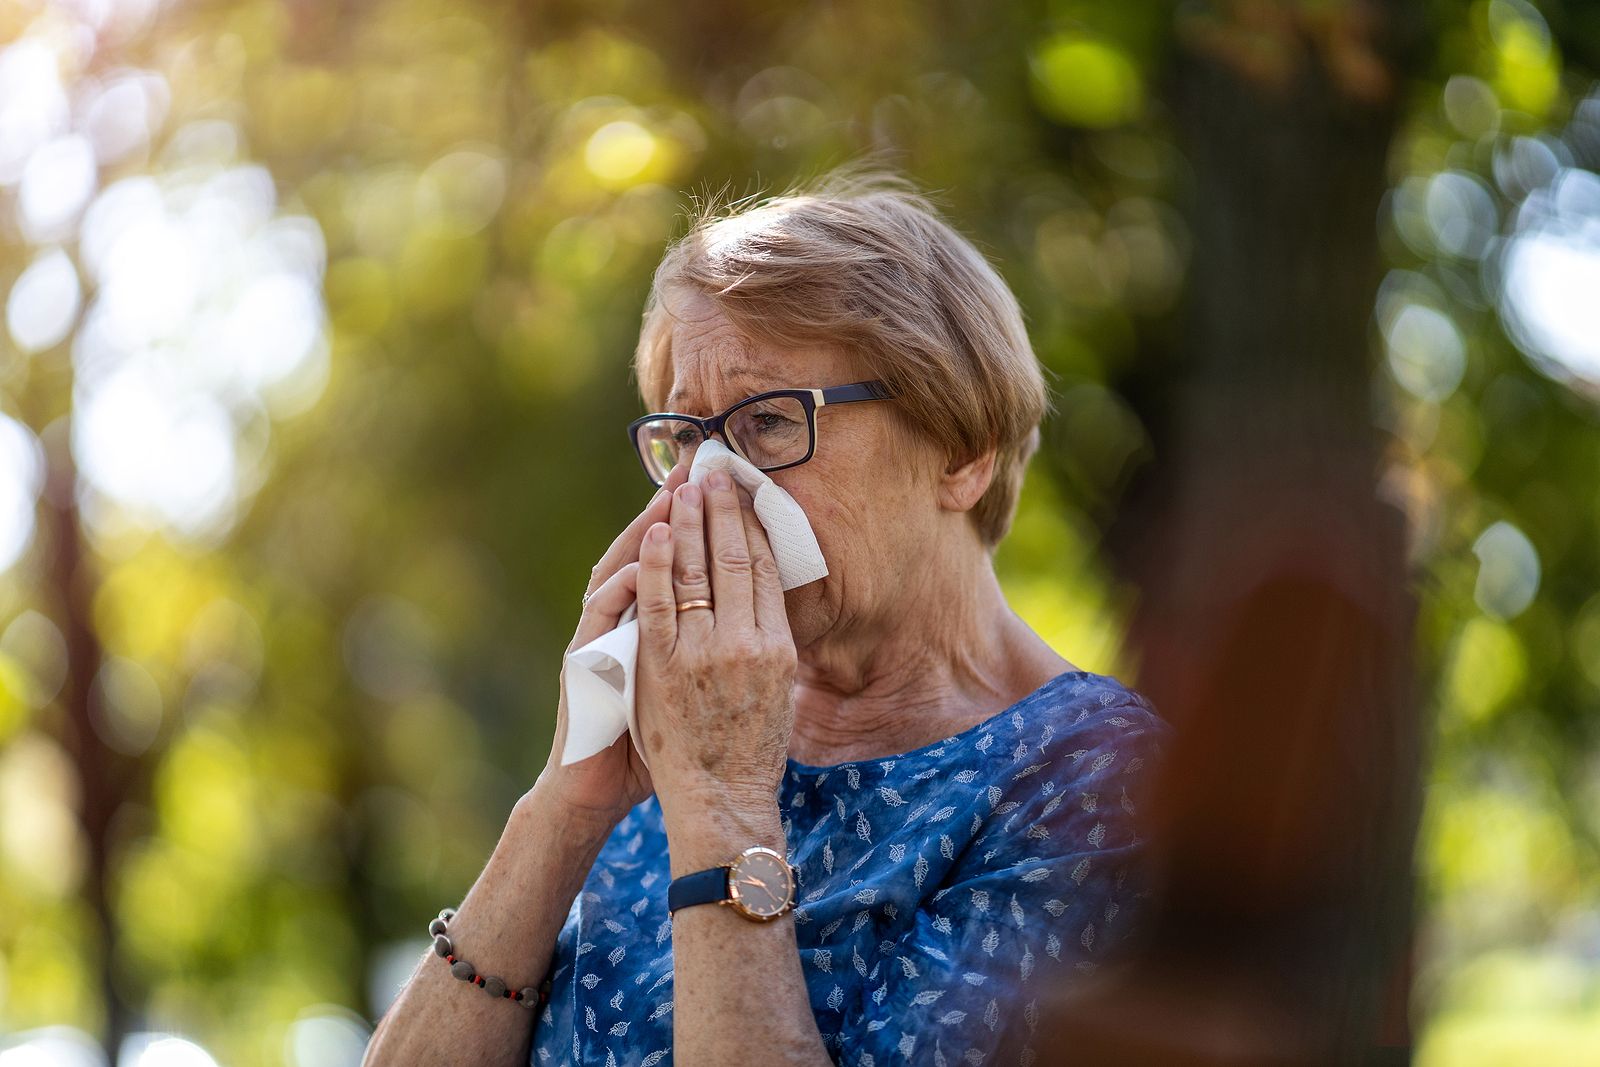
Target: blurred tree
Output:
[{"x": 1275, "y": 625}]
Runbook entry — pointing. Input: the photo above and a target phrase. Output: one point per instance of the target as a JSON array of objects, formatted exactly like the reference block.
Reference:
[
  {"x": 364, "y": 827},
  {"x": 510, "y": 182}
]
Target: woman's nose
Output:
[{"x": 729, "y": 443}]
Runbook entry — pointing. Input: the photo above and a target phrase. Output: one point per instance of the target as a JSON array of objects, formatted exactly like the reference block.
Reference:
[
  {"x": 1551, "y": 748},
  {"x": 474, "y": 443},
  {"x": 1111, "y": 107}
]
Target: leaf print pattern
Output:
[{"x": 945, "y": 891}]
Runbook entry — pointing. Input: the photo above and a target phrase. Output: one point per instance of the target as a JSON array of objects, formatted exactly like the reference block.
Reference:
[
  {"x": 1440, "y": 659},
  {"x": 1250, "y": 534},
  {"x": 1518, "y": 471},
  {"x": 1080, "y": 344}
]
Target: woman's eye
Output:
[{"x": 770, "y": 420}]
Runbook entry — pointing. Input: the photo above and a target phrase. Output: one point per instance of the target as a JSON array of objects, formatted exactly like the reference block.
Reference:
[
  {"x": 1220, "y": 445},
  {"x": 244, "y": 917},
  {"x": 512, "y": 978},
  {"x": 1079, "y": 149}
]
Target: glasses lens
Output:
[
  {"x": 664, "y": 442},
  {"x": 772, "y": 431}
]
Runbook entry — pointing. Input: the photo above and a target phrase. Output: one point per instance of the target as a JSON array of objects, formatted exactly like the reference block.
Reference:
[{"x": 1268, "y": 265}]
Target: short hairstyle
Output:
[{"x": 861, "y": 258}]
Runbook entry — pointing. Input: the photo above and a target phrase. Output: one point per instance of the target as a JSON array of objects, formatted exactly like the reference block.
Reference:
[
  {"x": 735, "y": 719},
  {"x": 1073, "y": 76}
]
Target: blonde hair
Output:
[{"x": 862, "y": 259}]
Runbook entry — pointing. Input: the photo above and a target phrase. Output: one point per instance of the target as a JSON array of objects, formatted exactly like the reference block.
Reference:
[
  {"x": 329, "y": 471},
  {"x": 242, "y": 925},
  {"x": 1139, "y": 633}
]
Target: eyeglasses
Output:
[{"x": 771, "y": 430}]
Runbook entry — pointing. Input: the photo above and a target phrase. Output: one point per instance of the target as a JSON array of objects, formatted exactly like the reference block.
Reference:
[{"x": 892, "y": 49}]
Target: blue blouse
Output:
[{"x": 942, "y": 890}]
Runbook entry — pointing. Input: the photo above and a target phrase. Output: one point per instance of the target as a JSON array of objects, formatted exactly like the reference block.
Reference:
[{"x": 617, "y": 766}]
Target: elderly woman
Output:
[{"x": 877, "y": 819}]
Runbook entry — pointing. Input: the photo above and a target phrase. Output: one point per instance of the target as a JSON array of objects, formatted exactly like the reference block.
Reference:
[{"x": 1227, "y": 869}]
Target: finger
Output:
[
  {"x": 605, "y": 605},
  {"x": 690, "y": 578},
  {"x": 730, "y": 553},
  {"x": 770, "y": 613},
  {"x": 677, "y": 475},
  {"x": 625, "y": 549},
  {"x": 658, "y": 617}
]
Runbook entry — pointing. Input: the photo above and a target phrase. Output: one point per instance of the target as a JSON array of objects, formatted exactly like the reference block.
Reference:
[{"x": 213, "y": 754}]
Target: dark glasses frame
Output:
[{"x": 810, "y": 400}]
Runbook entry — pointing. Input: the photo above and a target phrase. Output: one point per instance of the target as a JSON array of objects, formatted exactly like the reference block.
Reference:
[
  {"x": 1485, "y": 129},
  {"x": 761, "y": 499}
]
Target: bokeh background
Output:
[{"x": 313, "y": 381}]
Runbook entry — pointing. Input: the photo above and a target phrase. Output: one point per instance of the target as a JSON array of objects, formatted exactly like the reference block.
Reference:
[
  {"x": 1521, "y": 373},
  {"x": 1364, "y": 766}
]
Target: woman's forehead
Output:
[{"x": 719, "y": 375}]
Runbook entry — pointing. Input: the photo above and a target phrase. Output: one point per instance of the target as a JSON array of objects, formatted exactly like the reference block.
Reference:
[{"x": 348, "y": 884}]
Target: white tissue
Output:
[{"x": 599, "y": 676}]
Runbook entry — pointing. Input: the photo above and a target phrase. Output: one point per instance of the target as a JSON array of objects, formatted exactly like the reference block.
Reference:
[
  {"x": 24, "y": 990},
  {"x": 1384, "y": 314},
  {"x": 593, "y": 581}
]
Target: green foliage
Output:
[{"x": 331, "y": 700}]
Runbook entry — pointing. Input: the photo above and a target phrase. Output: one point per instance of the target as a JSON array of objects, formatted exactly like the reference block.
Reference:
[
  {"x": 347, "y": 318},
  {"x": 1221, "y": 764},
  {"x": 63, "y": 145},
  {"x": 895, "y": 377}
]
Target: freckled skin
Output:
[
  {"x": 908, "y": 638},
  {"x": 869, "y": 491}
]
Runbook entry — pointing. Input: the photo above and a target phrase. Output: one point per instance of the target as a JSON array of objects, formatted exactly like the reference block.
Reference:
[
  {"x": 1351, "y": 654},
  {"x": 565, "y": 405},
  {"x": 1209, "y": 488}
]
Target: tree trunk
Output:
[
  {"x": 1275, "y": 626},
  {"x": 102, "y": 772}
]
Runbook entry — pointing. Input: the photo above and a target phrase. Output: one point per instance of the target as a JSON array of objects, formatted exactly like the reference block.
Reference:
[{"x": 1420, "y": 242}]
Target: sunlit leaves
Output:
[
  {"x": 1487, "y": 667},
  {"x": 205, "y": 798},
  {"x": 1085, "y": 81},
  {"x": 619, "y": 152},
  {"x": 146, "y": 608},
  {"x": 1506, "y": 855},
  {"x": 464, "y": 188},
  {"x": 438, "y": 271},
  {"x": 360, "y": 294},
  {"x": 594, "y": 60},
  {"x": 14, "y": 684},
  {"x": 1052, "y": 581},
  {"x": 49, "y": 950},
  {"x": 35, "y": 656},
  {"x": 41, "y": 845},
  {"x": 1525, "y": 68}
]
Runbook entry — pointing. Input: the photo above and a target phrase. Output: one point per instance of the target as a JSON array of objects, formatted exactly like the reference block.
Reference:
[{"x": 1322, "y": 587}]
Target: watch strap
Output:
[{"x": 701, "y": 887}]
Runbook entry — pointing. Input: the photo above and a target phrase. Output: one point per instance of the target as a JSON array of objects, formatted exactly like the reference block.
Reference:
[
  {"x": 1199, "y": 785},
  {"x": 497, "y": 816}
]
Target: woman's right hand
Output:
[{"x": 607, "y": 785}]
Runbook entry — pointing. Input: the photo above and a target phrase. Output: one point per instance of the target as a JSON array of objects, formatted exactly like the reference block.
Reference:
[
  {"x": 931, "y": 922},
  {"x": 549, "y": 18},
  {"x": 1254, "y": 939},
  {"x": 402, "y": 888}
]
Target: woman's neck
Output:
[{"x": 952, "y": 654}]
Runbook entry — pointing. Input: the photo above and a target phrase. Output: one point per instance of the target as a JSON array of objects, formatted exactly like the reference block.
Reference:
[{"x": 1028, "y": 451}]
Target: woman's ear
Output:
[{"x": 963, "y": 484}]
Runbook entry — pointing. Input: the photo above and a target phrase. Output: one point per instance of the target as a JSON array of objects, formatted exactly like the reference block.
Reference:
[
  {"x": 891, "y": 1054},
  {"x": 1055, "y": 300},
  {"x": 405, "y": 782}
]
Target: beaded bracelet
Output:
[{"x": 495, "y": 987}]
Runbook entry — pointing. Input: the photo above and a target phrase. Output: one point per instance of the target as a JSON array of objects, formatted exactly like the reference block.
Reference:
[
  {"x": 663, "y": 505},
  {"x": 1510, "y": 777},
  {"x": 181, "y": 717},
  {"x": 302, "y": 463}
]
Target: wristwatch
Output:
[{"x": 758, "y": 884}]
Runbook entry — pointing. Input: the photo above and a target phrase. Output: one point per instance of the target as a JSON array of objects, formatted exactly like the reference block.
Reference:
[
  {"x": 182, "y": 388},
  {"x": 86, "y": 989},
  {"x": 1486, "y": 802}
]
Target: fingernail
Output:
[
  {"x": 660, "y": 532},
  {"x": 720, "y": 480},
  {"x": 660, "y": 494},
  {"x": 689, "y": 494}
]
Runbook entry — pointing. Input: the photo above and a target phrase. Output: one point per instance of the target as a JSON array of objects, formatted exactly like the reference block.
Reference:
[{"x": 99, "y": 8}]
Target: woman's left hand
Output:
[{"x": 715, "y": 686}]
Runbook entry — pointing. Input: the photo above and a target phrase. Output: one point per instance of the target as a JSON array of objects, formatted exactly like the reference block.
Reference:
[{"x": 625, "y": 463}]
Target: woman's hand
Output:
[
  {"x": 715, "y": 686},
  {"x": 607, "y": 785}
]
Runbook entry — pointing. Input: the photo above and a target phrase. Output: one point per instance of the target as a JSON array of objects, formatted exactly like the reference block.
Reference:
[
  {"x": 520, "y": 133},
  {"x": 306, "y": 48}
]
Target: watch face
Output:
[{"x": 761, "y": 882}]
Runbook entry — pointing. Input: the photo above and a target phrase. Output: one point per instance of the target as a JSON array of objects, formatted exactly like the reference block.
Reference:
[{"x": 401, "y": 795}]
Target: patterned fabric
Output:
[{"x": 942, "y": 890}]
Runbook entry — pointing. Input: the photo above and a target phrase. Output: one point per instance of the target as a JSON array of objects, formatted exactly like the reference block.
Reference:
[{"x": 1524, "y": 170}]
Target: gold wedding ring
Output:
[{"x": 687, "y": 604}]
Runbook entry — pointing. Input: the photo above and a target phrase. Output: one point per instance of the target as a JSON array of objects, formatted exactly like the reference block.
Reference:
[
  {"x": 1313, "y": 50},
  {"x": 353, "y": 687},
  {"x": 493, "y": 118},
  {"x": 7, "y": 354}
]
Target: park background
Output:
[{"x": 314, "y": 378}]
